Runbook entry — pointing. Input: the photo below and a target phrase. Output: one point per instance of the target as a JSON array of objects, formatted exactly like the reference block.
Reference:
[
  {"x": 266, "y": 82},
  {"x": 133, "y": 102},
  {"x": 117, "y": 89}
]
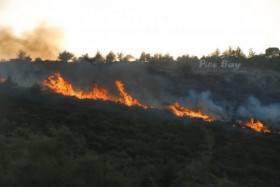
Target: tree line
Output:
[{"x": 271, "y": 53}]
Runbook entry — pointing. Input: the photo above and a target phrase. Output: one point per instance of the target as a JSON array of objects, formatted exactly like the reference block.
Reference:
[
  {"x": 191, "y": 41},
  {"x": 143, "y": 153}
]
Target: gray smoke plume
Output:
[
  {"x": 253, "y": 108},
  {"x": 44, "y": 42},
  {"x": 203, "y": 102}
]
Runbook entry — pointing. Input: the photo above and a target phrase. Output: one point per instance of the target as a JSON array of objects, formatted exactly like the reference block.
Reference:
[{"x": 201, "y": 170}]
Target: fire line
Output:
[
  {"x": 181, "y": 112},
  {"x": 57, "y": 84}
]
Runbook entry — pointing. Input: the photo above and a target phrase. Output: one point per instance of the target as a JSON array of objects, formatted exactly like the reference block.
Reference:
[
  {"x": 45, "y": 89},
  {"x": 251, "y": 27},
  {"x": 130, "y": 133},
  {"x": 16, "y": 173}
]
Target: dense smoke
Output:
[{"x": 44, "y": 42}]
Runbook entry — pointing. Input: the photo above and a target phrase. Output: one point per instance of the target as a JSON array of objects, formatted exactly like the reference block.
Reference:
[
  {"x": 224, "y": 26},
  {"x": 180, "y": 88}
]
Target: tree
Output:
[
  {"x": 120, "y": 57},
  {"x": 167, "y": 58},
  {"x": 86, "y": 58},
  {"x": 229, "y": 52},
  {"x": 65, "y": 56},
  {"x": 128, "y": 58},
  {"x": 38, "y": 60},
  {"x": 239, "y": 53},
  {"x": 110, "y": 57},
  {"x": 251, "y": 53},
  {"x": 145, "y": 57},
  {"x": 22, "y": 56},
  {"x": 216, "y": 53},
  {"x": 156, "y": 58},
  {"x": 99, "y": 57},
  {"x": 183, "y": 58},
  {"x": 236, "y": 54},
  {"x": 272, "y": 52}
]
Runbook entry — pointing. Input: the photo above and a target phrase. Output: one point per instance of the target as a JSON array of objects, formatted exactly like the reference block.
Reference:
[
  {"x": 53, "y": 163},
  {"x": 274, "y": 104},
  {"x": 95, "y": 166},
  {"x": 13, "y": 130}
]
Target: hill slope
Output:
[{"x": 51, "y": 140}]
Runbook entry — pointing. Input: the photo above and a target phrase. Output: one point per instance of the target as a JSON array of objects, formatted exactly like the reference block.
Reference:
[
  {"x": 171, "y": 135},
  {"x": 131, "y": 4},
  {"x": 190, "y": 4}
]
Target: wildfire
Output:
[
  {"x": 57, "y": 84},
  {"x": 181, "y": 112},
  {"x": 126, "y": 98},
  {"x": 257, "y": 126}
]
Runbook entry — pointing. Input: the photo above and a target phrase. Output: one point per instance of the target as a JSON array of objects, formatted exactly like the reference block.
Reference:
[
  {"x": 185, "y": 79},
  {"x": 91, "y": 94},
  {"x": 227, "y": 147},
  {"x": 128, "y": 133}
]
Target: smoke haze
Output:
[
  {"x": 253, "y": 107},
  {"x": 2, "y": 3},
  {"x": 44, "y": 42},
  {"x": 157, "y": 89}
]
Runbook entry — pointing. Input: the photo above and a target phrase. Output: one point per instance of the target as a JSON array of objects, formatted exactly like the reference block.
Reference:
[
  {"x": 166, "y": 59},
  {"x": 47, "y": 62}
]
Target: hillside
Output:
[{"x": 53, "y": 140}]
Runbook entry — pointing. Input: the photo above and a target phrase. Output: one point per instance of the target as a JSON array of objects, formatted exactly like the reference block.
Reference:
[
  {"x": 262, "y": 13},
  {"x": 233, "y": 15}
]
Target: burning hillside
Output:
[
  {"x": 257, "y": 126},
  {"x": 207, "y": 97},
  {"x": 58, "y": 84},
  {"x": 182, "y": 112},
  {"x": 126, "y": 98}
]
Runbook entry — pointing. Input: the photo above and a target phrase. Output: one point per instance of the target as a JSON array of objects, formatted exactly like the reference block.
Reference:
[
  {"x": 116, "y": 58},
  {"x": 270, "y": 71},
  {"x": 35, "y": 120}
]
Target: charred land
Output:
[{"x": 51, "y": 137}]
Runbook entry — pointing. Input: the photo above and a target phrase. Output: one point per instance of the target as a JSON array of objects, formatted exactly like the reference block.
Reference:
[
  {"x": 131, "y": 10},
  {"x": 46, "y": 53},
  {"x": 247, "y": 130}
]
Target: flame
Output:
[
  {"x": 181, "y": 112},
  {"x": 257, "y": 126},
  {"x": 57, "y": 84},
  {"x": 126, "y": 98}
]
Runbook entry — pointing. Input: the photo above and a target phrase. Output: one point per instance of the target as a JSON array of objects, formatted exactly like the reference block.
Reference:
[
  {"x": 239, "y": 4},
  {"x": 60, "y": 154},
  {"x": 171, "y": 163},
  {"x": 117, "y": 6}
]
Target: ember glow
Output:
[
  {"x": 182, "y": 111},
  {"x": 257, "y": 126},
  {"x": 57, "y": 84}
]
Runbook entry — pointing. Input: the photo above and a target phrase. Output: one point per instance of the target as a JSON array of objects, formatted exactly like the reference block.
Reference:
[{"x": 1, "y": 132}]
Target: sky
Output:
[{"x": 176, "y": 27}]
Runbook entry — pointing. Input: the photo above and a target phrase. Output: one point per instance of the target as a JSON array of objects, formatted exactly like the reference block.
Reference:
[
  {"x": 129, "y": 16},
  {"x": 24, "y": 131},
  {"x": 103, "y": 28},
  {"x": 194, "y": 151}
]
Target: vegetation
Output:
[
  {"x": 269, "y": 60},
  {"x": 65, "y": 56},
  {"x": 51, "y": 140},
  {"x": 110, "y": 57},
  {"x": 23, "y": 57}
]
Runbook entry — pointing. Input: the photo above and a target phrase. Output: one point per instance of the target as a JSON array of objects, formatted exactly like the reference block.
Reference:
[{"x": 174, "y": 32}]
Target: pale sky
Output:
[{"x": 177, "y": 27}]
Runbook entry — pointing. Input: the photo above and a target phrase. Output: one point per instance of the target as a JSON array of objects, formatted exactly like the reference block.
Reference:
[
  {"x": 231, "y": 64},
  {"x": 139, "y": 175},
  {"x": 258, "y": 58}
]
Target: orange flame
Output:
[
  {"x": 257, "y": 126},
  {"x": 126, "y": 98},
  {"x": 57, "y": 84},
  {"x": 181, "y": 112}
]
